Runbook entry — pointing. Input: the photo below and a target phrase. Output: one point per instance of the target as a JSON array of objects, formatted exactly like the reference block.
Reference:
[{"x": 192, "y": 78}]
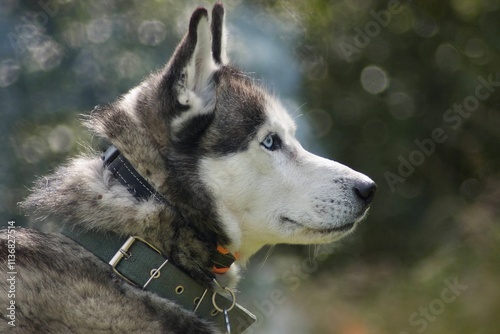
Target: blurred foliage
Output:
[{"x": 372, "y": 79}]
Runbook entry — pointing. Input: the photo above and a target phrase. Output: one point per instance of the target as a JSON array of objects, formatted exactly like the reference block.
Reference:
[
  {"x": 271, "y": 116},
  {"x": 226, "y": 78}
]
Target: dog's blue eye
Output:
[{"x": 271, "y": 142}]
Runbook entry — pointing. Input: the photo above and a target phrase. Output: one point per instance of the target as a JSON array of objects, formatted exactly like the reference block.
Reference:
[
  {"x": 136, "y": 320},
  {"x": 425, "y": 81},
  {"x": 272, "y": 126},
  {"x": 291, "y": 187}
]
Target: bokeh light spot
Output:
[
  {"x": 475, "y": 48},
  {"x": 99, "y": 30},
  {"x": 61, "y": 139},
  {"x": 34, "y": 149},
  {"x": 152, "y": 32},
  {"x": 9, "y": 72},
  {"x": 48, "y": 55},
  {"x": 374, "y": 79},
  {"x": 447, "y": 57}
]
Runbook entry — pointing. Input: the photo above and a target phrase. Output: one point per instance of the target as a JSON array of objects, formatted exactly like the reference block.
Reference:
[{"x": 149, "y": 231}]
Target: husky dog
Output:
[{"x": 204, "y": 164}]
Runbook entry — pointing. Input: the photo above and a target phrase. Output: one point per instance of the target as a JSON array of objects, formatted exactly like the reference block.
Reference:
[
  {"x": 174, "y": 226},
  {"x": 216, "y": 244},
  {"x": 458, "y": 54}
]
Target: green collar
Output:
[{"x": 142, "y": 265}]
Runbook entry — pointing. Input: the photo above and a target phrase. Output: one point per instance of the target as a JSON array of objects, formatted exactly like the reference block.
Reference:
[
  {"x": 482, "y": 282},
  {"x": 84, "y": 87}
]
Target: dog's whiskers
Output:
[
  {"x": 268, "y": 254},
  {"x": 294, "y": 113}
]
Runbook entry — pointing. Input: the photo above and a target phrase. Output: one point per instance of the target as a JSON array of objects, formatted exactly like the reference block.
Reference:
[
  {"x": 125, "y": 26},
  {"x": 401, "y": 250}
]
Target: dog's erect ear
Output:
[
  {"x": 218, "y": 34},
  {"x": 188, "y": 82}
]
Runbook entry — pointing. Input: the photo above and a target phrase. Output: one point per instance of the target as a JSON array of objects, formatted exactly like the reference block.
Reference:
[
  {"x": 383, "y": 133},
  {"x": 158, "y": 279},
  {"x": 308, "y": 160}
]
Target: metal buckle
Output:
[{"x": 124, "y": 253}]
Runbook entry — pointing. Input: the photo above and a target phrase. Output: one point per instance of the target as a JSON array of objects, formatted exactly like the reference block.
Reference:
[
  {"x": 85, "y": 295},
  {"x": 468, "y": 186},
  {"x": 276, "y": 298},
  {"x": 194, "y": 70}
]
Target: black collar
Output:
[{"x": 129, "y": 177}]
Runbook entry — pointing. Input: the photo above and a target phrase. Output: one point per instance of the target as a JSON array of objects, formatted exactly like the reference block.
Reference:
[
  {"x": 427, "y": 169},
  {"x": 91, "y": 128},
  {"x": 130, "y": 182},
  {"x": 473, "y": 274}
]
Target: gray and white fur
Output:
[{"x": 221, "y": 150}]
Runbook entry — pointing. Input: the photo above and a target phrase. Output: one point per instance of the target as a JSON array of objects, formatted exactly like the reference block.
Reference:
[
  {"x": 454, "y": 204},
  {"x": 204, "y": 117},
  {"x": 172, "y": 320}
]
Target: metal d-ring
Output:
[{"x": 233, "y": 297}]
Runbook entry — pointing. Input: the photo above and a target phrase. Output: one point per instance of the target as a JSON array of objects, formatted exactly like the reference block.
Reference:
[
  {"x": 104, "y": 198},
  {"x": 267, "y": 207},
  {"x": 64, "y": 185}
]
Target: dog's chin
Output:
[{"x": 333, "y": 232}]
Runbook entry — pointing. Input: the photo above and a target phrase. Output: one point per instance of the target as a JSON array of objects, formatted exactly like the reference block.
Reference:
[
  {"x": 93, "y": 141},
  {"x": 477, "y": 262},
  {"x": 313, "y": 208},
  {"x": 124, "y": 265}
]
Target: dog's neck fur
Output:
[{"x": 84, "y": 192}]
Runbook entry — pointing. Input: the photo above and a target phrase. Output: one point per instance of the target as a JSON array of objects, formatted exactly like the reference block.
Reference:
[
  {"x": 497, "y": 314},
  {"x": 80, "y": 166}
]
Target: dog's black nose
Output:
[{"x": 365, "y": 190}]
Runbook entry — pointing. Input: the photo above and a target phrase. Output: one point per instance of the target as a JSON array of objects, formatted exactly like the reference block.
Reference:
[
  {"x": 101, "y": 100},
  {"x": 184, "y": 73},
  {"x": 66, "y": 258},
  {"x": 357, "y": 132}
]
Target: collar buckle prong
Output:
[{"x": 124, "y": 253}]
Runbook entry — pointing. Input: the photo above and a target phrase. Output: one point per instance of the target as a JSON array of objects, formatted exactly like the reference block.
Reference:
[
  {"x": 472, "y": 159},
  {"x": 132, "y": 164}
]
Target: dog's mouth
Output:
[{"x": 328, "y": 230}]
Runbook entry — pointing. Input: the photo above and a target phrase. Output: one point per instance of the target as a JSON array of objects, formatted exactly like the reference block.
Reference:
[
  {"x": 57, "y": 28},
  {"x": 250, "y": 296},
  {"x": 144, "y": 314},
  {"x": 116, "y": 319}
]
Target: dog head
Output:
[{"x": 223, "y": 151}]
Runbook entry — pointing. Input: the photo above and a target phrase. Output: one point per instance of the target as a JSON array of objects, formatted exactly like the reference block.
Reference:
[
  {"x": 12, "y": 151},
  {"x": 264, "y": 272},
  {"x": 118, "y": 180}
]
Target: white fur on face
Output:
[{"x": 284, "y": 196}]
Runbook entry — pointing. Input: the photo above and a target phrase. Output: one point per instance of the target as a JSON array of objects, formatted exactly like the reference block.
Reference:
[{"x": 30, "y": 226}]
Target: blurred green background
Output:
[{"x": 406, "y": 92}]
